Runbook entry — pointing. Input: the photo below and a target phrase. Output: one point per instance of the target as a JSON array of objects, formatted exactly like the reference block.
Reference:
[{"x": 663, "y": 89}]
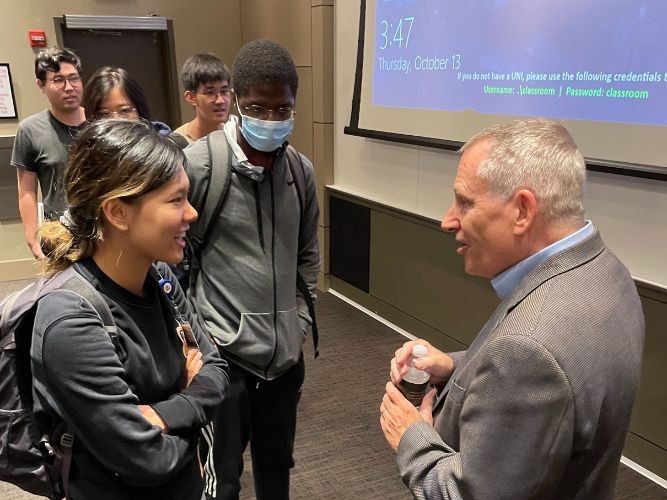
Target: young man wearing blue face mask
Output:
[{"x": 263, "y": 236}]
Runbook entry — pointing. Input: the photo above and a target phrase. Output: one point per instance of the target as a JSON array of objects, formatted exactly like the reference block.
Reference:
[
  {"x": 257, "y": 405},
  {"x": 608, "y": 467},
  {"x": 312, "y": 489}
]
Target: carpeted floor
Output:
[{"x": 340, "y": 450}]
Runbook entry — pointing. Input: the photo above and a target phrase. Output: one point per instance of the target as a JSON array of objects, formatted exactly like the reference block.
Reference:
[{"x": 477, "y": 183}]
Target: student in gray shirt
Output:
[{"x": 42, "y": 140}]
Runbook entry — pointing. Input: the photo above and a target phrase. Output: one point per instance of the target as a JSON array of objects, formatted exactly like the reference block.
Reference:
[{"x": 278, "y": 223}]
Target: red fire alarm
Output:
[{"x": 37, "y": 38}]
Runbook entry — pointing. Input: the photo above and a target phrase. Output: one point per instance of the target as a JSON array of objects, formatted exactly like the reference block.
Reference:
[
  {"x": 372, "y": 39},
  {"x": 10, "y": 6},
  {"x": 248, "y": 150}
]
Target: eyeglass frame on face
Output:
[
  {"x": 62, "y": 81},
  {"x": 212, "y": 94},
  {"x": 262, "y": 113},
  {"x": 123, "y": 112}
]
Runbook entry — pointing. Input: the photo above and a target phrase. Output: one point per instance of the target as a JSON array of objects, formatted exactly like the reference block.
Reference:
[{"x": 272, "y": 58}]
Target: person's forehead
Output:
[
  {"x": 116, "y": 97},
  {"x": 179, "y": 182},
  {"x": 66, "y": 69},
  {"x": 181, "y": 178},
  {"x": 476, "y": 153},
  {"x": 272, "y": 91},
  {"x": 471, "y": 159},
  {"x": 215, "y": 84}
]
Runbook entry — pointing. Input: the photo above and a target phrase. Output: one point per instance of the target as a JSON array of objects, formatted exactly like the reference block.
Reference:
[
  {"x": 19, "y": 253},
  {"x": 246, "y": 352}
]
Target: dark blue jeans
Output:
[{"x": 264, "y": 413}]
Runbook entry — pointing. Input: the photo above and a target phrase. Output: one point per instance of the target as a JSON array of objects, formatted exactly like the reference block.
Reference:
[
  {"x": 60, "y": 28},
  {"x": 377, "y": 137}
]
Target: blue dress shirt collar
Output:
[{"x": 510, "y": 278}]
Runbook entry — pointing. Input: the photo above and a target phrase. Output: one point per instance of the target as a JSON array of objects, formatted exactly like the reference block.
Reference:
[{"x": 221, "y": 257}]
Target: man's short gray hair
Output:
[{"x": 539, "y": 155}]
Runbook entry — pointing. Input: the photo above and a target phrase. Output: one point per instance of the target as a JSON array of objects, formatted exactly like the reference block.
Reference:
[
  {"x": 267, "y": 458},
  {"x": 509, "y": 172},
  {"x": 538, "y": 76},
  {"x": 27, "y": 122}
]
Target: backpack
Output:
[
  {"x": 33, "y": 455},
  {"x": 179, "y": 140},
  {"x": 219, "y": 182}
]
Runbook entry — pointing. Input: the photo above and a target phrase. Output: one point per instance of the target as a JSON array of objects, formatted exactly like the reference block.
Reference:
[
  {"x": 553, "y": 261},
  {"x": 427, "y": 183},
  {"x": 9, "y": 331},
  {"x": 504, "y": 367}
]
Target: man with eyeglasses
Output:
[
  {"x": 263, "y": 239},
  {"x": 42, "y": 140},
  {"x": 206, "y": 81}
]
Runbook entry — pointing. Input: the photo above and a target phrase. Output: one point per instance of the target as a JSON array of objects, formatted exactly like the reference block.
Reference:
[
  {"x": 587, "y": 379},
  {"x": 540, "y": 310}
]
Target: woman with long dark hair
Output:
[{"x": 134, "y": 405}]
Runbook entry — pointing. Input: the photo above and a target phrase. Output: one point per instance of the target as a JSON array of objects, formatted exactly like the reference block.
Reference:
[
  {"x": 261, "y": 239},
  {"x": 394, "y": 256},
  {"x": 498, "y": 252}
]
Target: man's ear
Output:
[
  {"x": 525, "y": 206},
  {"x": 117, "y": 213},
  {"x": 190, "y": 97},
  {"x": 40, "y": 84}
]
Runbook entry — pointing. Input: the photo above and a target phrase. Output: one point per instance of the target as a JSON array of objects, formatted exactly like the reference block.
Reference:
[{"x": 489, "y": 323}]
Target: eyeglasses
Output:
[
  {"x": 213, "y": 94},
  {"x": 261, "y": 113},
  {"x": 61, "y": 81},
  {"x": 124, "y": 112}
]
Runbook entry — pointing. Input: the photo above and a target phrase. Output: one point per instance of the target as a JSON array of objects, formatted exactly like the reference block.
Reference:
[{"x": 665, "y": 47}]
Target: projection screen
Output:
[{"x": 434, "y": 72}]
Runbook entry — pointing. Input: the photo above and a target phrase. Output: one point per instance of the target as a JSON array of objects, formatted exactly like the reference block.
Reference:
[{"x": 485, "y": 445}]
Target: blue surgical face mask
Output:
[{"x": 265, "y": 135}]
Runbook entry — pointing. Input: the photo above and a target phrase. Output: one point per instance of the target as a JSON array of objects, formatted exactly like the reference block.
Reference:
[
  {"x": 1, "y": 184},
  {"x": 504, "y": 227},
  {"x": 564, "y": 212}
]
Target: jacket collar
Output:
[{"x": 559, "y": 263}]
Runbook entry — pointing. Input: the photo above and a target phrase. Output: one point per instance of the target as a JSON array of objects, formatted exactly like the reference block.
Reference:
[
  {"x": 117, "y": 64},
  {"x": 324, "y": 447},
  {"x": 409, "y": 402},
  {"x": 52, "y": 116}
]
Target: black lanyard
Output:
[{"x": 184, "y": 330}]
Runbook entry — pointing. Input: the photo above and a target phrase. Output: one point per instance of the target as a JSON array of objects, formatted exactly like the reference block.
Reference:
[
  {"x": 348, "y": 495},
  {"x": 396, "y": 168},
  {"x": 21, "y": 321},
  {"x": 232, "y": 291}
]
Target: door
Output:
[{"x": 146, "y": 53}]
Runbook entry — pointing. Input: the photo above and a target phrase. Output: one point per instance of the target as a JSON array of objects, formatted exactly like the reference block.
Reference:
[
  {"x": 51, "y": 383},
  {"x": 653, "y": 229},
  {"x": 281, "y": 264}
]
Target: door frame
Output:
[{"x": 151, "y": 23}]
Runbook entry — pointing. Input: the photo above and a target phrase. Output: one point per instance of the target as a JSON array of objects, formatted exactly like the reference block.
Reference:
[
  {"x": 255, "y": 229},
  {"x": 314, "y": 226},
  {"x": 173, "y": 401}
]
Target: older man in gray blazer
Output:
[{"x": 540, "y": 403}]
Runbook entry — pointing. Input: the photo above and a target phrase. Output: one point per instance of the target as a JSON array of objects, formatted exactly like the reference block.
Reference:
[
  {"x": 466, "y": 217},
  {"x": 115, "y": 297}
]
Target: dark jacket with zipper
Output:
[{"x": 246, "y": 288}]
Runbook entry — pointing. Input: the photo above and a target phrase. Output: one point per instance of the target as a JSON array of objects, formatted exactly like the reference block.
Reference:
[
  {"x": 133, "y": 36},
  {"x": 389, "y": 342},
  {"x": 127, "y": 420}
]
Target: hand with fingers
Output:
[
  {"x": 153, "y": 417},
  {"x": 397, "y": 413},
  {"x": 193, "y": 364},
  {"x": 436, "y": 362}
]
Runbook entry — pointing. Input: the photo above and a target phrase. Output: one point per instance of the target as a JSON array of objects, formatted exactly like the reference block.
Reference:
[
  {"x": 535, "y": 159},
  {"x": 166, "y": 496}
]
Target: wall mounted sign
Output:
[
  {"x": 37, "y": 38},
  {"x": 7, "y": 101}
]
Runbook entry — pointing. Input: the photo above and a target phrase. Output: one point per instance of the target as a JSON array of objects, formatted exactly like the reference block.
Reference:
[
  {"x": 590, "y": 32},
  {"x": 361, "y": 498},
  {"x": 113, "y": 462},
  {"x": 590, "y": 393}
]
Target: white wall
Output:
[{"x": 630, "y": 213}]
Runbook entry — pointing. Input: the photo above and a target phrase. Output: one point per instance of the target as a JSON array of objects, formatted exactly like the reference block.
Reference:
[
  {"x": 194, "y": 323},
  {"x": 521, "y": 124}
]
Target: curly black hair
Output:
[
  {"x": 50, "y": 59},
  {"x": 263, "y": 62}
]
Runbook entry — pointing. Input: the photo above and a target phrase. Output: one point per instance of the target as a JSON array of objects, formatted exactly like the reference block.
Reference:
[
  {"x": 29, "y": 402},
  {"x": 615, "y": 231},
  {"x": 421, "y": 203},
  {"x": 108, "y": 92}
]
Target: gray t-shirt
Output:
[{"x": 41, "y": 145}]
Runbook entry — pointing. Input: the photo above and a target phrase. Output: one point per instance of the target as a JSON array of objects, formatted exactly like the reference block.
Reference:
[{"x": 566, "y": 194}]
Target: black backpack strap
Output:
[
  {"x": 299, "y": 178},
  {"x": 66, "y": 444},
  {"x": 179, "y": 140},
  {"x": 220, "y": 158},
  {"x": 303, "y": 288},
  {"x": 82, "y": 287}
]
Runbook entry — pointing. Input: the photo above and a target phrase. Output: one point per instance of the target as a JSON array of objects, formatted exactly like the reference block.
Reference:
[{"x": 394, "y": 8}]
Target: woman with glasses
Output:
[
  {"x": 135, "y": 402},
  {"x": 112, "y": 93}
]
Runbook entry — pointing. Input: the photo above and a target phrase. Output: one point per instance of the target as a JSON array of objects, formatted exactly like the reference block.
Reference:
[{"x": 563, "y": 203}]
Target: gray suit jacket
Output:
[{"x": 539, "y": 405}]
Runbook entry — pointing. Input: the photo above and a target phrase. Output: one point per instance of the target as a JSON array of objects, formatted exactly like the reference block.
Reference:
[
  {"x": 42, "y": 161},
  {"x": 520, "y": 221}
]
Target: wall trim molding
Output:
[
  {"x": 20, "y": 269},
  {"x": 370, "y": 313},
  {"x": 644, "y": 472}
]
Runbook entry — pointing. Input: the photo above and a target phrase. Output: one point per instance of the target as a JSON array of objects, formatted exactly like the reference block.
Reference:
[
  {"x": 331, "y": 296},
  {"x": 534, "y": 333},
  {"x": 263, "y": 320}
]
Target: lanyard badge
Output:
[
  {"x": 183, "y": 330},
  {"x": 187, "y": 337}
]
